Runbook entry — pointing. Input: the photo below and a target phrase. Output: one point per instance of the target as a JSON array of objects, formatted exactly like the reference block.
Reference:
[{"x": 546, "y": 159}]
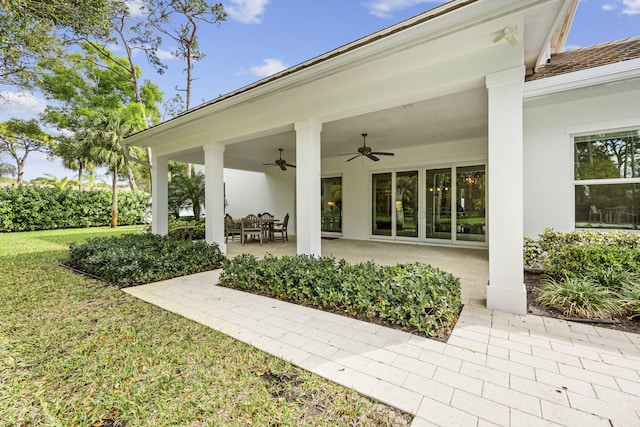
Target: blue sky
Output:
[{"x": 261, "y": 37}]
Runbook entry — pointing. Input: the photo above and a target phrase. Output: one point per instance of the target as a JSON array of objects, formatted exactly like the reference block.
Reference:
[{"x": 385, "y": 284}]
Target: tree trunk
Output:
[
  {"x": 132, "y": 180},
  {"x": 80, "y": 171},
  {"x": 20, "y": 170},
  {"x": 114, "y": 201}
]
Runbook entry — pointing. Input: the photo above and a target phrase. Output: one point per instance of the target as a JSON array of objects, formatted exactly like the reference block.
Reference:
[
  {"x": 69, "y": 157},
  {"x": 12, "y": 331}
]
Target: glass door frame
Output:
[{"x": 422, "y": 214}]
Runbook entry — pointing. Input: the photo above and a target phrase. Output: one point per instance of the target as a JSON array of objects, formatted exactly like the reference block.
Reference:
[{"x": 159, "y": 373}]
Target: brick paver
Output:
[{"x": 497, "y": 368}]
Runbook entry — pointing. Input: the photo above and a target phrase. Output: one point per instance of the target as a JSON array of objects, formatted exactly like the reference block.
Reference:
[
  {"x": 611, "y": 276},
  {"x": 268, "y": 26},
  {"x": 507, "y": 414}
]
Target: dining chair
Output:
[
  {"x": 267, "y": 225},
  {"x": 231, "y": 228},
  {"x": 251, "y": 226},
  {"x": 282, "y": 229}
]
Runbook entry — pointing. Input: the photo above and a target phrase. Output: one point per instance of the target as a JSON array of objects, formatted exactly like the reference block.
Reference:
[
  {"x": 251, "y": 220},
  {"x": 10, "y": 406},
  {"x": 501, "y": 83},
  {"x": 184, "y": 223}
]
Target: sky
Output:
[{"x": 262, "y": 37}]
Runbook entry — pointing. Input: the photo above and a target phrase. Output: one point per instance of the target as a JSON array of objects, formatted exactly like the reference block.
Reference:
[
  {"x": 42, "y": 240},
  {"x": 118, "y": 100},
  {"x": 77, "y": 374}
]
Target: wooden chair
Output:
[
  {"x": 231, "y": 229},
  {"x": 267, "y": 225},
  {"x": 251, "y": 226},
  {"x": 282, "y": 229}
]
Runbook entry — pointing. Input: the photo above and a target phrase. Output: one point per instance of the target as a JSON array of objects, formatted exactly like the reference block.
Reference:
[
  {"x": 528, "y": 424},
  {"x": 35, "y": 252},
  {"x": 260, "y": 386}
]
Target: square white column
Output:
[
  {"x": 506, "y": 290},
  {"x": 308, "y": 163},
  {"x": 214, "y": 194},
  {"x": 160, "y": 195}
]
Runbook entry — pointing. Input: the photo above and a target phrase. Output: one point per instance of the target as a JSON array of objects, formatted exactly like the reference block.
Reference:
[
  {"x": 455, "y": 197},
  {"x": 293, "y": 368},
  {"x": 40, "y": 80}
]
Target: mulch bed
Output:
[{"x": 533, "y": 282}]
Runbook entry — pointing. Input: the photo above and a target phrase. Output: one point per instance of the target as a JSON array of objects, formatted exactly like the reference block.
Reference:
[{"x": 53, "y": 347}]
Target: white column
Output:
[
  {"x": 160, "y": 195},
  {"x": 506, "y": 290},
  {"x": 214, "y": 194},
  {"x": 308, "y": 165}
]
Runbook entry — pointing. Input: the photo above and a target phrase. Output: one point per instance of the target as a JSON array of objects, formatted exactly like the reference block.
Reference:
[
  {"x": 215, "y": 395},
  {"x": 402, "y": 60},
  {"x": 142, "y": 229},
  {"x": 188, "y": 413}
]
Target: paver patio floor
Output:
[{"x": 496, "y": 369}]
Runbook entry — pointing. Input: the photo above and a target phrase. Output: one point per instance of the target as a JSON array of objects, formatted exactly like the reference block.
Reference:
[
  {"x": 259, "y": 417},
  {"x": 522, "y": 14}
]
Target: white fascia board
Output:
[{"x": 602, "y": 75}]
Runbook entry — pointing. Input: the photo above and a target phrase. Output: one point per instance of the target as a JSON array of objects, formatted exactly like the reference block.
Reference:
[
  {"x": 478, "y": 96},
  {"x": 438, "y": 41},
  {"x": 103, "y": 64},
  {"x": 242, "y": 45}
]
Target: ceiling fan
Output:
[
  {"x": 280, "y": 162},
  {"x": 365, "y": 151}
]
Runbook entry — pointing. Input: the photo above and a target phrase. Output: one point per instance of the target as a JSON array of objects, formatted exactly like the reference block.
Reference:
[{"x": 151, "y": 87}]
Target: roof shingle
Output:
[{"x": 588, "y": 57}]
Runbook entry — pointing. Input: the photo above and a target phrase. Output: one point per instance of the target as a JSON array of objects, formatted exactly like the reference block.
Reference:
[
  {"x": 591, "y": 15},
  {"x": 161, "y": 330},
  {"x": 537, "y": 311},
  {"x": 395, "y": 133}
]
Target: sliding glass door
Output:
[
  {"x": 438, "y": 209},
  {"x": 439, "y": 205},
  {"x": 470, "y": 202},
  {"x": 381, "y": 202}
]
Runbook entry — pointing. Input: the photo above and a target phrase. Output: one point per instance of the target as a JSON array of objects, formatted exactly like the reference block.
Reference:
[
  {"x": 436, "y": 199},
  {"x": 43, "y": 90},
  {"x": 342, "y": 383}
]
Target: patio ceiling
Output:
[{"x": 455, "y": 117}]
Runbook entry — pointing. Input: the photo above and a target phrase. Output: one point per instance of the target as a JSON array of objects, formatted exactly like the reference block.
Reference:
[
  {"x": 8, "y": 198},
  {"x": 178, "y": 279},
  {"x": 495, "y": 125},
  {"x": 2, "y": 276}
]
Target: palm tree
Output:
[
  {"x": 187, "y": 192},
  {"x": 107, "y": 130},
  {"x": 52, "y": 181},
  {"x": 76, "y": 156}
]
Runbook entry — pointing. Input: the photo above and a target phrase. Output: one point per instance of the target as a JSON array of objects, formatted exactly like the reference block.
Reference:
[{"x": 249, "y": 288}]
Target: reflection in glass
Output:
[
  {"x": 438, "y": 199},
  {"x": 470, "y": 202},
  {"x": 407, "y": 204},
  {"x": 331, "y": 204},
  {"x": 607, "y": 156},
  {"x": 381, "y": 197},
  {"x": 607, "y": 206}
]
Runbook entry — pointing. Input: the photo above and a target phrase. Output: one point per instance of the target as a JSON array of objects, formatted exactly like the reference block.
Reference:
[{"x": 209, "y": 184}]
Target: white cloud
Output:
[
  {"x": 270, "y": 67},
  {"x": 135, "y": 7},
  {"x": 246, "y": 11},
  {"x": 385, "y": 8},
  {"x": 13, "y": 103},
  {"x": 631, "y": 7},
  {"x": 165, "y": 55}
]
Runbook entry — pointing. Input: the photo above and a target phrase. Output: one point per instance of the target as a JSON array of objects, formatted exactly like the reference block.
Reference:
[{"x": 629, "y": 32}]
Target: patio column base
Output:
[{"x": 510, "y": 300}]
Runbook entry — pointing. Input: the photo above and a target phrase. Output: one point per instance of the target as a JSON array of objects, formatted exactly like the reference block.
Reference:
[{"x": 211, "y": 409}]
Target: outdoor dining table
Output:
[{"x": 268, "y": 225}]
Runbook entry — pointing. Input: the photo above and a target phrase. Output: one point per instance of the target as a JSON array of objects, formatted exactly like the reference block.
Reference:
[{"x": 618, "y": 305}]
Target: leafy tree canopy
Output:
[{"x": 18, "y": 138}]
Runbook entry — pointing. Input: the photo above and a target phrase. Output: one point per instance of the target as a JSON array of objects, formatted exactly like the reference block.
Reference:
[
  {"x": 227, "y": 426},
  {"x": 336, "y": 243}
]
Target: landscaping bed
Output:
[
  {"x": 413, "y": 297},
  {"x": 589, "y": 276},
  {"x": 136, "y": 259},
  {"x": 533, "y": 282}
]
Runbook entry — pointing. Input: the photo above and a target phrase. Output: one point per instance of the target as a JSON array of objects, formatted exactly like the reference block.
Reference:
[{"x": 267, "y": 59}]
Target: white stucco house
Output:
[{"x": 496, "y": 134}]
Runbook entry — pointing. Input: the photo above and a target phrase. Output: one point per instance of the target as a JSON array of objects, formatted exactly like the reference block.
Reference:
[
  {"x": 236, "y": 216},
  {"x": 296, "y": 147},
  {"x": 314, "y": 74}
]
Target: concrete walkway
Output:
[{"x": 497, "y": 368}]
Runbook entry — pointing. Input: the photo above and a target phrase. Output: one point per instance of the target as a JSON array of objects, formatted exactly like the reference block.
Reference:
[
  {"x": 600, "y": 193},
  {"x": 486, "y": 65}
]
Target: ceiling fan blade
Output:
[
  {"x": 268, "y": 164},
  {"x": 372, "y": 157},
  {"x": 354, "y": 157},
  {"x": 380, "y": 153},
  {"x": 282, "y": 167},
  {"x": 290, "y": 165}
]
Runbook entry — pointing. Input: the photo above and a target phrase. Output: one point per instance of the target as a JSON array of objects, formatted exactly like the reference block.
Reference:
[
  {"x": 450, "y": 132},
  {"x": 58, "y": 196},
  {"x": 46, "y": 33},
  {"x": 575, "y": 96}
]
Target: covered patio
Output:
[
  {"x": 471, "y": 266},
  {"x": 439, "y": 95}
]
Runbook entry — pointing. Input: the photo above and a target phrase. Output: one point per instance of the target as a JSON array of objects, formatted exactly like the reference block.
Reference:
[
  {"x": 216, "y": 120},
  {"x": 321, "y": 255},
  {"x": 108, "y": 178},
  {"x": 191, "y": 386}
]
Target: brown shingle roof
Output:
[{"x": 588, "y": 57}]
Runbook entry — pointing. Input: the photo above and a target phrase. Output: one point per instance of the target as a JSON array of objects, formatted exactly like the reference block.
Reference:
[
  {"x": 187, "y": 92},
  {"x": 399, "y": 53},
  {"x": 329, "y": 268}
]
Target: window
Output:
[{"x": 607, "y": 180}]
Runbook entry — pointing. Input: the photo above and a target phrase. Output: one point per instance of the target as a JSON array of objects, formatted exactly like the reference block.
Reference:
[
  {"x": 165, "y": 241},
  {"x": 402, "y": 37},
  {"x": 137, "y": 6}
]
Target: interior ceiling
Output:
[{"x": 454, "y": 117}]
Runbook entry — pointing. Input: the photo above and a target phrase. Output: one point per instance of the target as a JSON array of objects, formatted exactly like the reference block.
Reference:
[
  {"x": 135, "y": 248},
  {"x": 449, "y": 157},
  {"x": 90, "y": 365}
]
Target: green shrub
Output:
[
  {"x": 135, "y": 259},
  {"x": 578, "y": 297},
  {"x": 187, "y": 229},
  {"x": 27, "y": 208},
  {"x": 576, "y": 259},
  {"x": 411, "y": 295},
  {"x": 630, "y": 299},
  {"x": 613, "y": 278},
  {"x": 542, "y": 252}
]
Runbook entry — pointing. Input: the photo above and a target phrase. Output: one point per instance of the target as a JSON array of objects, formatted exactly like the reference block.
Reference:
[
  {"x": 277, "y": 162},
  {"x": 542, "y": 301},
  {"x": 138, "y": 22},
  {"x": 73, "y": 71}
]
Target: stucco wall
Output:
[{"x": 548, "y": 151}]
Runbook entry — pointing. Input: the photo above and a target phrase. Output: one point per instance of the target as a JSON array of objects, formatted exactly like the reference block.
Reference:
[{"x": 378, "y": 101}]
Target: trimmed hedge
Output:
[
  {"x": 136, "y": 259},
  {"x": 27, "y": 208},
  {"x": 410, "y": 295}
]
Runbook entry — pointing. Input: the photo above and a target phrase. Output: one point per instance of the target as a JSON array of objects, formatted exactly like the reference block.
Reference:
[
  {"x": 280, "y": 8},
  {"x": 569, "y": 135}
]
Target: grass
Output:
[{"x": 77, "y": 352}]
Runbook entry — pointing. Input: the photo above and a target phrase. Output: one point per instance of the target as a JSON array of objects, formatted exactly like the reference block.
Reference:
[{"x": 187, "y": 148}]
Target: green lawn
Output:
[{"x": 77, "y": 352}]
